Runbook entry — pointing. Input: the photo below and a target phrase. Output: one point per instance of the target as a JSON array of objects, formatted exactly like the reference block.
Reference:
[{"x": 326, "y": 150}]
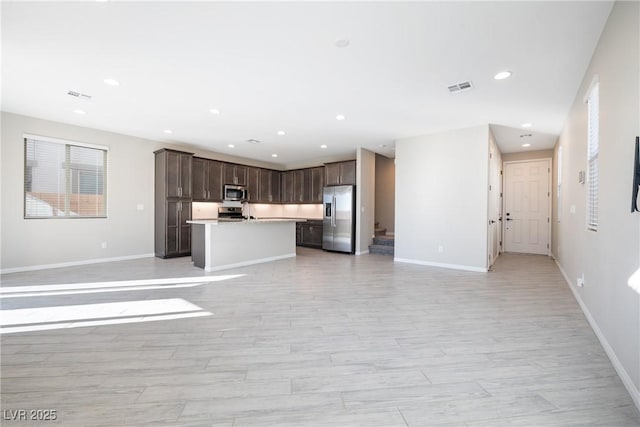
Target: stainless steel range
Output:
[{"x": 230, "y": 213}]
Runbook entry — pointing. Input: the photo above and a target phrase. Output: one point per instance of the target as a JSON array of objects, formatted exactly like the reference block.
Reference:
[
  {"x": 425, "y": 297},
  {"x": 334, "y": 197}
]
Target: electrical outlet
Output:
[
  {"x": 440, "y": 248},
  {"x": 580, "y": 281},
  {"x": 104, "y": 245},
  {"x": 140, "y": 207}
]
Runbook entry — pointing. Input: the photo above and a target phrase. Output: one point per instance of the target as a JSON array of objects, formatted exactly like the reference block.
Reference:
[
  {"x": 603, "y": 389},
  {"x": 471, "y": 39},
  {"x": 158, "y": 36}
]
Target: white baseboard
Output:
[
  {"x": 251, "y": 262},
  {"x": 362, "y": 252},
  {"x": 622, "y": 373},
  {"x": 73, "y": 263},
  {"x": 442, "y": 265}
]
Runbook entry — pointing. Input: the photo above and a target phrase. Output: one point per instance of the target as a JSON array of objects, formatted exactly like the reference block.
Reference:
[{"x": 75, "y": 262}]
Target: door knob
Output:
[
  {"x": 492, "y": 222},
  {"x": 509, "y": 219}
]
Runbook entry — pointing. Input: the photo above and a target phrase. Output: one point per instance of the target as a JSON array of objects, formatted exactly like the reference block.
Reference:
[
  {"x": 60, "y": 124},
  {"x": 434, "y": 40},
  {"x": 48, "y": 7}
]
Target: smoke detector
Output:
[
  {"x": 460, "y": 87},
  {"x": 253, "y": 141}
]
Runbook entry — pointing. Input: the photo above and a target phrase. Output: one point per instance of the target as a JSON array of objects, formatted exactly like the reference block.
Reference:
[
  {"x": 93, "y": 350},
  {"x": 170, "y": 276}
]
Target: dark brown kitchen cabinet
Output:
[
  {"x": 301, "y": 185},
  {"x": 178, "y": 232},
  {"x": 253, "y": 184},
  {"x": 206, "y": 180},
  {"x": 173, "y": 196},
  {"x": 176, "y": 172},
  {"x": 309, "y": 233},
  {"x": 340, "y": 173},
  {"x": 287, "y": 195},
  {"x": 269, "y": 186},
  {"x": 317, "y": 185},
  {"x": 235, "y": 174}
]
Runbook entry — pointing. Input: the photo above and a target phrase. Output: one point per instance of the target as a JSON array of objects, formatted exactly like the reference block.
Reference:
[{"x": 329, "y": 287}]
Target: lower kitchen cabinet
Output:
[
  {"x": 173, "y": 233},
  {"x": 309, "y": 233}
]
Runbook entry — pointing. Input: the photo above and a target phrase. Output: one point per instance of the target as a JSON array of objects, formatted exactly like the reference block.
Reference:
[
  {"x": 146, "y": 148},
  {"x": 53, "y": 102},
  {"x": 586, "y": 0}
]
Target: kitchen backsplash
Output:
[{"x": 205, "y": 210}]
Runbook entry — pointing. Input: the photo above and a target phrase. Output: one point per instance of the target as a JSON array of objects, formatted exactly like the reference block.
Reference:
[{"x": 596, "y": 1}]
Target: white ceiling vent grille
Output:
[
  {"x": 79, "y": 95},
  {"x": 460, "y": 87}
]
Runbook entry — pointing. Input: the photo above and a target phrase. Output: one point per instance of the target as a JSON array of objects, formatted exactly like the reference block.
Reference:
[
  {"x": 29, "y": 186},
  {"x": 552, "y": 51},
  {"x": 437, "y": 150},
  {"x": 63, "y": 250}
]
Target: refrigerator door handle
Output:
[{"x": 333, "y": 214}]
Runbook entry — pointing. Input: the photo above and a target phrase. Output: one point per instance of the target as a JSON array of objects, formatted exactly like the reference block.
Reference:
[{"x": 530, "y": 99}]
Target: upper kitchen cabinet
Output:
[
  {"x": 207, "y": 180},
  {"x": 303, "y": 185},
  {"x": 340, "y": 173},
  {"x": 317, "y": 185},
  {"x": 253, "y": 184},
  {"x": 269, "y": 186},
  {"x": 287, "y": 195},
  {"x": 235, "y": 174},
  {"x": 173, "y": 173}
]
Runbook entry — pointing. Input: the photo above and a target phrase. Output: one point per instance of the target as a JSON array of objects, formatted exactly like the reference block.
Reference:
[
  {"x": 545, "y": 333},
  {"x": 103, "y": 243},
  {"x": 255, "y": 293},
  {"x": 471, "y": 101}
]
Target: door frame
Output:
[
  {"x": 495, "y": 151},
  {"x": 549, "y": 161}
]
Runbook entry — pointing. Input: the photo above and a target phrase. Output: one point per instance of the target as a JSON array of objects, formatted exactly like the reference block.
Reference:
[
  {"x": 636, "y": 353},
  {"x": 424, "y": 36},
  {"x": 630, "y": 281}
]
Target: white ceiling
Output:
[{"x": 275, "y": 66}]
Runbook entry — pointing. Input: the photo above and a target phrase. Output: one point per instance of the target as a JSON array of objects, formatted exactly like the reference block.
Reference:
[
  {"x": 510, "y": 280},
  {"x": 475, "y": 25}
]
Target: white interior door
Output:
[
  {"x": 527, "y": 203},
  {"x": 495, "y": 204}
]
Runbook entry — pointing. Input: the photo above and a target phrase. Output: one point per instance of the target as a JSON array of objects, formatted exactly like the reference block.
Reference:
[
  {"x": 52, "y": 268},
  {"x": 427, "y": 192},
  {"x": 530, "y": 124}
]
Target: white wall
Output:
[
  {"x": 385, "y": 192},
  {"x": 365, "y": 199},
  {"x": 127, "y": 231},
  {"x": 441, "y": 199},
  {"x": 608, "y": 257}
]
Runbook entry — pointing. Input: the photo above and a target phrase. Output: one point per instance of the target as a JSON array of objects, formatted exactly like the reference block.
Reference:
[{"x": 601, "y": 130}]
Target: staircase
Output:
[{"x": 382, "y": 244}]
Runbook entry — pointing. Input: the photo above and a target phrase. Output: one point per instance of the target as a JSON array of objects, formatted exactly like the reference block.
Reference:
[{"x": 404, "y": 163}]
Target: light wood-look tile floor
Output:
[{"x": 320, "y": 340}]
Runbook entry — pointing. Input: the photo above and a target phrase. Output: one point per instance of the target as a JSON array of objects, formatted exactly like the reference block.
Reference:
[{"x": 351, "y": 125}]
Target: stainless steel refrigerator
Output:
[{"x": 339, "y": 223}]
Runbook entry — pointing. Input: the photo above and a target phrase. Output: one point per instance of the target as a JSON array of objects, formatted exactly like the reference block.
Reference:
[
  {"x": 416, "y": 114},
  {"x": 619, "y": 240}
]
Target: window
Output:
[
  {"x": 64, "y": 179},
  {"x": 593, "y": 150}
]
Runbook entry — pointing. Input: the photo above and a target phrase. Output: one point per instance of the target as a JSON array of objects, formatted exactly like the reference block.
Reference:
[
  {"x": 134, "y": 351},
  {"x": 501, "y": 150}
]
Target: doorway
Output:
[{"x": 527, "y": 206}]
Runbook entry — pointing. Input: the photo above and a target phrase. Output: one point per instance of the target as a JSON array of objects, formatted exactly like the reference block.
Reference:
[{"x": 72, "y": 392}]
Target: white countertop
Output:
[{"x": 245, "y": 221}]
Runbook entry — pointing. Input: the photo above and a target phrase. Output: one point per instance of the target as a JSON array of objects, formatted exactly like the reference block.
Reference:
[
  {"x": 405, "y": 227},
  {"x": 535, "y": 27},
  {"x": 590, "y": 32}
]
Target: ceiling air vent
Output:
[
  {"x": 79, "y": 95},
  {"x": 460, "y": 87}
]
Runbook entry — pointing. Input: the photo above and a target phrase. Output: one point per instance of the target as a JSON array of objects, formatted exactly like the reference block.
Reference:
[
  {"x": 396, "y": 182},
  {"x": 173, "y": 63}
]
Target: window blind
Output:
[
  {"x": 64, "y": 179},
  {"x": 593, "y": 149}
]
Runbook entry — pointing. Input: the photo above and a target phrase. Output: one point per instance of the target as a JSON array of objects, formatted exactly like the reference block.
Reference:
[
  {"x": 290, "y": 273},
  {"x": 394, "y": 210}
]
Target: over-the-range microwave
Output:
[{"x": 235, "y": 193}]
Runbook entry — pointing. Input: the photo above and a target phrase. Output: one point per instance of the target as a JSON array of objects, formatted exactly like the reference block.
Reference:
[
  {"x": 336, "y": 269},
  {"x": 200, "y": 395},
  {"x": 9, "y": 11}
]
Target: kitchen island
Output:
[{"x": 219, "y": 245}]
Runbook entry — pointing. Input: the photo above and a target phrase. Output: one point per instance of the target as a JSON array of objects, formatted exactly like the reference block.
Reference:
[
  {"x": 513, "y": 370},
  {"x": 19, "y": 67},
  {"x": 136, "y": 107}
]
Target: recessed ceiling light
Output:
[
  {"x": 112, "y": 82},
  {"x": 526, "y": 125},
  {"x": 214, "y": 111},
  {"x": 340, "y": 117},
  {"x": 280, "y": 132},
  {"x": 526, "y": 145},
  {"x": 323, "y": 146},
  {"x": 231, "y": 146},
  {"x": 168, "y": 131},
  {"x": 342, "y": 43},
  {"x": 502, "y": 75},
  {"x": 274, "y": 155},
  {"x": 80, "y": 112}
]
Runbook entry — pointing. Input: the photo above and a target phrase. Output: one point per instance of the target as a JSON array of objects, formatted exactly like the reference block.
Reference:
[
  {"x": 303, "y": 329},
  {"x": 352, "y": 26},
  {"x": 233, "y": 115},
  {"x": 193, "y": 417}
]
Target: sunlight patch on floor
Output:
[
  {"x": 115, "y": 286},
  {"x": 74, "y": 316}
]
